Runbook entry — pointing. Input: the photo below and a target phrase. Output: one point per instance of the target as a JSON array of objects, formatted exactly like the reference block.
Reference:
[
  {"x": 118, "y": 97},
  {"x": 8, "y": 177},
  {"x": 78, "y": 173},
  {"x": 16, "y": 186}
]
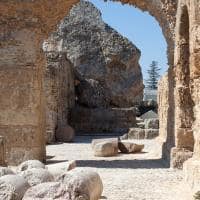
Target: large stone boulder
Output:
[
  {"x": 47, "y": 191},
  {"x": 29, "y": 164},
  {"x": 151, "y": 133},
  {"x": 130, "y": 147},
  {"x": 65, "y": 134},
  {"x": 100, "y": 53},
  {"x": 83, "y": 183},
  {"x": 36, "y": 176},
  {"x": 136, "y": 133},
  {"x": 13, "y": 187},
  {"x": 149, "y": 115},
  {"x": 59, "y": 168},
  {"x": 92, "y": 94},
  {"x": 112, "y": 140},
  {"x": 151, "y": 123},
  {"x": 105, "y": 149}
]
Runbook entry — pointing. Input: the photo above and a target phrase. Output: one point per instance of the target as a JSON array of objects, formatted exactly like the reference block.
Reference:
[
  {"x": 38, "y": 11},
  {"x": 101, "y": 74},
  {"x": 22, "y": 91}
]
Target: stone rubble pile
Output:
[
  {"x": 108, "y": 147},
  {"x": 147, "y": 127},
  {"x": 33, "y": 180}
]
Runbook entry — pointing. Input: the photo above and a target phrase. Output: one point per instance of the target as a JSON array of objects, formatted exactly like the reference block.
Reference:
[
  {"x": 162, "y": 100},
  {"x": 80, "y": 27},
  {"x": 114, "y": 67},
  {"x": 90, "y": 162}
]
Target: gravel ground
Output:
[{"x": 126, "y": 177}]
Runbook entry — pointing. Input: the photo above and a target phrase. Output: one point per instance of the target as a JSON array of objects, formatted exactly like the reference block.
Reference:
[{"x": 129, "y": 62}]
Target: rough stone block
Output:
[
  {"x": 151, "y": 133},
  {"x": 179, "y": 156},
  {"x": 83, "y": 184},
  {"x": 65, "y": 134},
  {"x": 151, "y": 123},
  {"x": 106, "y": 149},
  {"x": 136, "y": 133},
  {"x": 130, "y": 147},
  {"x": 141, "y": 125},
  {"x": 112, "y": 140}
]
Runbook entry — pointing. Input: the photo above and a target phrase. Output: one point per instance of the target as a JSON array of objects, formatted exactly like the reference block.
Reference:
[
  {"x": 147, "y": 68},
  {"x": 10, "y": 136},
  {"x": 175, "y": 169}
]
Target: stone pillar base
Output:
[
  {"x": 192, "y": 174},
  {"x": 179, "y": 156}
]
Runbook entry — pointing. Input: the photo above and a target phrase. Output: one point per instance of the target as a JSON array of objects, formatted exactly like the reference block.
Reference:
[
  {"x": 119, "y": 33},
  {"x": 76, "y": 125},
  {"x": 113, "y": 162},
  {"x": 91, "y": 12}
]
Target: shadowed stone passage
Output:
[{"x": 100, "y": 120}]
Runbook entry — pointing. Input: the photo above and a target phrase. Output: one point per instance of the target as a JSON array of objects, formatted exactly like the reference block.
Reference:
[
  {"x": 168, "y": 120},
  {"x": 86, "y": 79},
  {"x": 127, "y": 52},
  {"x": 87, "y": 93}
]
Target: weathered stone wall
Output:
[
  {"x": 99, "y": 120},
  {"x": 21, "y": 101},
  {"x": 24, "y": 26},
  {"x": 166, "y": 111},
  {"x": 192, "y": 166},
  {"x": 184, "y": 116},
  {"x": 59, "y": 88}
]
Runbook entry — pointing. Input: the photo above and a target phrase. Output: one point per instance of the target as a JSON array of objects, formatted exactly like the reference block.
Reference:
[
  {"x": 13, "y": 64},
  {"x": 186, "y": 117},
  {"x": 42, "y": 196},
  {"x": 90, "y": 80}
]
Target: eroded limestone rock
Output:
[
  {"x": 13, "y": 187},
  {"x": 151, "y": 123},
  {"x": 36, "y": 176},
  {"x": 105, "y": 149},
  {"x": 149, "y": 115},
  {"x": 60, "y": 168},
  {"x": 29, "y": 164},
  {"x": 151, "y": 133},
  {"x": 92, "y": 94},
  {"x": 130, "y": 147},
  {"x": 100, "y": 53},
  {"x": 112, "y": 140},
  {"x": 83, "y": 183},
  {"x": 49, "y": 190},
  {"x": 65, "y": 134},
  {"x": 136, "y": 133}
]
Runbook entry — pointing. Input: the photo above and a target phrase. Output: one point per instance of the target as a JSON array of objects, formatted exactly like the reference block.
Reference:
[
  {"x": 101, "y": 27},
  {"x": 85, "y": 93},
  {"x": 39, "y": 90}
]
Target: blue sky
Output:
[{"x": 140, "y": 28}]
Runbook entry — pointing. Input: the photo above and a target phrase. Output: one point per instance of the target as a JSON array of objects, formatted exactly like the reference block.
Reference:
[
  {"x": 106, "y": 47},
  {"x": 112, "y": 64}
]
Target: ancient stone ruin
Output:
[
  {"x": 24, "y": 27},
  {"x": 106, "y": 71}
]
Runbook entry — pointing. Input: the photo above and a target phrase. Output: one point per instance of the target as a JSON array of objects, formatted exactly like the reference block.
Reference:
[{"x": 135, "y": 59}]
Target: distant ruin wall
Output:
[{"x": 59, "y": 88}]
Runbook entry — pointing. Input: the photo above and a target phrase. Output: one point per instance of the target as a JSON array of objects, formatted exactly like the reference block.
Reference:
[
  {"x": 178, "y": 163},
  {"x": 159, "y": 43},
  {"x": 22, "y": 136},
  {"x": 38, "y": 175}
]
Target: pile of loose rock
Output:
[
  {"x": 32, "y": 180},
  {"x": 147, "y": 127},
  {"x": 111, "y": 146}
]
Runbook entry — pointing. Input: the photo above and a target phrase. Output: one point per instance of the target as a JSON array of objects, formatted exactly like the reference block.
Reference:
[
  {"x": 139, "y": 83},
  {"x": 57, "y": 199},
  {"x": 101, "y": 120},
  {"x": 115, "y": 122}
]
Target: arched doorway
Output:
[{"x": 24, "y": 119}]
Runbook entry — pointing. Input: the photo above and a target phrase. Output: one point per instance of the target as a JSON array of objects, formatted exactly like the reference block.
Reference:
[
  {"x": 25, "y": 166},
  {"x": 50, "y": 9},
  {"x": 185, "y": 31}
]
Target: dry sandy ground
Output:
[{"x": 126, "y": 177}]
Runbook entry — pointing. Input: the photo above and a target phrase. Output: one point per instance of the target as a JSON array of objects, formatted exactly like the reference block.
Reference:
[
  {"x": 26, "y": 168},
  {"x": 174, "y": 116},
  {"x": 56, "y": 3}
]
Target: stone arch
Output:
[{"x": 23, "y": 62}]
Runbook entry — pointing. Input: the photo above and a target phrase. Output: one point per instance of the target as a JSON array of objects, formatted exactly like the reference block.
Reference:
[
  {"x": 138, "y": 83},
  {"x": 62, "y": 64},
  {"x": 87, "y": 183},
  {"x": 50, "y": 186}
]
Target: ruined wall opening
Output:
[
  {"x": 103, "y": 91},
  {"x": 27, "y": 121},
  {"x": 25, "y": 24}
]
